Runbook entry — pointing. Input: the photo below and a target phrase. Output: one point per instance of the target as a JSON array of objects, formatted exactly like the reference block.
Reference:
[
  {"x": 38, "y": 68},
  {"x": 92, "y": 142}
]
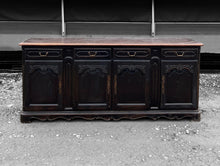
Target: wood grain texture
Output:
[{"x": 110, "y": 42}]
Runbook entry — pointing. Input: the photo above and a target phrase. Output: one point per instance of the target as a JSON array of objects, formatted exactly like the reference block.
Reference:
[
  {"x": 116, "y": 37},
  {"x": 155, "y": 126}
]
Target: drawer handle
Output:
[
  {"x": 92, "y": 53},
  {"x": 179, "y": 54},
  {"x": 131, "y": 55},
  {"x": 43, "y": 55}
]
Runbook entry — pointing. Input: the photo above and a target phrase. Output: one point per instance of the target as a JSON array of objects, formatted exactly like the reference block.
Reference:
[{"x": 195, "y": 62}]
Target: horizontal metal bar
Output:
[
  {"x": 77, "y": 22},
  {"x": 31, "y": 22},
  {"x": 189, "y": 23},
  {"x": 86, "y": 22},
  {"x": 105, "y": 22}
]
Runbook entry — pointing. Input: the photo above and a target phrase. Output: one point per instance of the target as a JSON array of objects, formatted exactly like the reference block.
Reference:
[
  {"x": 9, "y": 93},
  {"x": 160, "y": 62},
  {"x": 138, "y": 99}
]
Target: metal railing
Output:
[
  {"x": 63, "y": 24},
  {"x": 153, "y": 22}
]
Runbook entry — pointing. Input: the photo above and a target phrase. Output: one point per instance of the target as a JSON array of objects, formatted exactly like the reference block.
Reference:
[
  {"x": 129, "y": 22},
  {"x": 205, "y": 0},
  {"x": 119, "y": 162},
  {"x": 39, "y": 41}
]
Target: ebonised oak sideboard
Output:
[{"x": 110, "y": 79}]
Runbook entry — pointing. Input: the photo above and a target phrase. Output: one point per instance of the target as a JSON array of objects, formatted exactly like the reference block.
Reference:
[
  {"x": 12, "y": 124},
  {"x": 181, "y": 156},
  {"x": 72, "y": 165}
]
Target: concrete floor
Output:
[{"x": 100, "y": 143}]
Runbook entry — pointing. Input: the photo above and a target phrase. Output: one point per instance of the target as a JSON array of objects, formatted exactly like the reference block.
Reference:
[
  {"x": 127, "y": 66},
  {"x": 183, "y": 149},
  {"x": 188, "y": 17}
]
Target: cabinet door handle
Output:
[
  {"x": 132, "y": 55},
  {"x": 108, "y": 84},
  {"x": 163, "y": 84},
  {"x": 40, "y": 53},
  {"x": 177, "y": 54},
  {"x": 92, "y": 53},
  {"x": 115, "y": 84}
]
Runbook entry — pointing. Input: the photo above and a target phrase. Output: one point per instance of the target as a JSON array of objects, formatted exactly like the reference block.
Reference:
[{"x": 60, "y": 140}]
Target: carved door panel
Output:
[
  {"x": 131, "y": 85},
  {"x": 92, "y": 84},
  {"x": 43, "y": 85},
  {"x": 179, "y": 84}
]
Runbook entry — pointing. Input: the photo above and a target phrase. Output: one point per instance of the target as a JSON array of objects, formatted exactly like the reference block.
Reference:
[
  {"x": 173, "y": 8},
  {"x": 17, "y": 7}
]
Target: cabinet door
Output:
[
  {"x": 92, "y": 84},
  {"x": 179, "y": 84},
  {"x": 131, "y": 85},
  {"x": 43, "y": 85}
]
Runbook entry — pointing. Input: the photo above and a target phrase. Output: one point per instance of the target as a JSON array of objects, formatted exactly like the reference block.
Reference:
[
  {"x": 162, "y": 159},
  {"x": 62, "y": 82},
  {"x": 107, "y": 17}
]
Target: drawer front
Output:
[
  {"x": 131, "y": 52},
  {"x": 43, "y": 53},
  {"x": 92, "y": 53},
  {"x": 179, "y": 52}
]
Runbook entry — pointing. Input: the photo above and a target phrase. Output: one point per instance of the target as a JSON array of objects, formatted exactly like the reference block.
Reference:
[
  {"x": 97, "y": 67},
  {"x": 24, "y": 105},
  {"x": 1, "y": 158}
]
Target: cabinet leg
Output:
[
  {"x": 25, "y": 119},
  {"x": 197, "y": 117}
]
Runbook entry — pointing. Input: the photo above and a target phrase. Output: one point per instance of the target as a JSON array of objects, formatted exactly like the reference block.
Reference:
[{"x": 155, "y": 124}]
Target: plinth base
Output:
[{"x": 29, "y": 116}]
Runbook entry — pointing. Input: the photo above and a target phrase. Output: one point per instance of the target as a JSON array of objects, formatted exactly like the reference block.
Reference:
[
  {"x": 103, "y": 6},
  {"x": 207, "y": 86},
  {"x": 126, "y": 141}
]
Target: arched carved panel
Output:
[
  {"x": 179, "y": 86},
  {"x": 131, "y": 85},
  {"x": 131, "y": 68},
  {"x": 42, "y": 85},
  {"x": 93, "y": 85},
  {"x": 179, "y": 82}
]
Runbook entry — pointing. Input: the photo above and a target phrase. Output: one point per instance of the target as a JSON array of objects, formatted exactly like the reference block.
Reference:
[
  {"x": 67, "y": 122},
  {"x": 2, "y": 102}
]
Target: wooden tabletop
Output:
[{"x": 110, "y": 42}]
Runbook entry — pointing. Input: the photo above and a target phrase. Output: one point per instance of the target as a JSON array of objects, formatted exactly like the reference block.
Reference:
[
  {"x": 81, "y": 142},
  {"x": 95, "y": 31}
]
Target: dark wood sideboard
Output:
[{"x": 110, "y": 78}]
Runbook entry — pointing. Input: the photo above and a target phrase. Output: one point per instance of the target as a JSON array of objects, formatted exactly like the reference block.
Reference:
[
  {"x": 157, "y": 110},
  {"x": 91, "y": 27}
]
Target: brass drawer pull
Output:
[
  {"x": 131, "y": 55},
  {"x": 179, "y": 54},
  {"x": 43, "y": 55},
  {"x": 92, "y": 53}
]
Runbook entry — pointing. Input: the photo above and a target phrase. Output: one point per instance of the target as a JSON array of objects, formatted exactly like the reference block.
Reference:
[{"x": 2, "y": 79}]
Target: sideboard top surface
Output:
[{"x": 110, "y": 42}]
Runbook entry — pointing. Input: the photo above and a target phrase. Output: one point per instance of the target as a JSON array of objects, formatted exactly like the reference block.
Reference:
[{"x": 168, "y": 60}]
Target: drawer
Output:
[
  {"x": 179, "y": 52},
  {"x": 43, "y": 53},
  {"x": 132, "y": 52},
  {"x": 92, "y": 53}
]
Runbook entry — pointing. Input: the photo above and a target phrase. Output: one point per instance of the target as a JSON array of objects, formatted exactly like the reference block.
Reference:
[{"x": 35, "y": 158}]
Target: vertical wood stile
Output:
[
  {"x": 68, "y": 83},
  {"x": 155, "y": 82}
]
